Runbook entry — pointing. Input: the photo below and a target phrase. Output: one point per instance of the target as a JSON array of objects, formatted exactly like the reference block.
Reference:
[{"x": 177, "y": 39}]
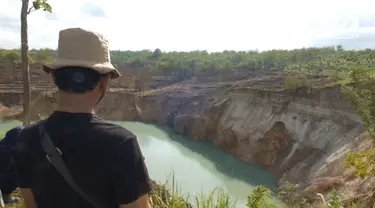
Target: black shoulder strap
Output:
[{"x": 53, "y": 155}]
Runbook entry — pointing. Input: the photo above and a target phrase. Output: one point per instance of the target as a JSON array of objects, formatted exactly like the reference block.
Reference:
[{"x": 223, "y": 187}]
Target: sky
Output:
[{"x": 212, "y": 25}]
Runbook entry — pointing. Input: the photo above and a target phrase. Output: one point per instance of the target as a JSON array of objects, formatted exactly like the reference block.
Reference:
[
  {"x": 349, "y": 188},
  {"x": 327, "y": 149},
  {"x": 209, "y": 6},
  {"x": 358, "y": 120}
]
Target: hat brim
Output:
[{"x": 102, "y": 68}]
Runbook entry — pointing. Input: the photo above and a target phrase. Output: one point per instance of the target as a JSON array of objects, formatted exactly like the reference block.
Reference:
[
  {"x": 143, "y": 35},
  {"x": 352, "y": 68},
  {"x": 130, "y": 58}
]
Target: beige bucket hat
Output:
[{"x": 84, "y": 48}]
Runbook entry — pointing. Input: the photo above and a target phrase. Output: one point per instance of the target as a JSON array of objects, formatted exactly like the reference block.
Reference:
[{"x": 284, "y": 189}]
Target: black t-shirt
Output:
[{"x": 103, "y": 158}]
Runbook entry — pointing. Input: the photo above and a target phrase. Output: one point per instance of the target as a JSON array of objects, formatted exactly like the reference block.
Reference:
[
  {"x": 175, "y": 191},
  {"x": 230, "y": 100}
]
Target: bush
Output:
[
  {"x": 288, "y": 193},
  {"x": 334, "y": 201},
  {"x": 294, "y": 82},
  {"x": 258, "y": 198},
  {"x": 218, "y": 198},
  {"x": 363, "y": 162}
]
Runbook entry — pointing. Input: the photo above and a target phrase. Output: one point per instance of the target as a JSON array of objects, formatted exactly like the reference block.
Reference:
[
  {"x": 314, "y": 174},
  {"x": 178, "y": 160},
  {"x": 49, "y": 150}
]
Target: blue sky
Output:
[{"x": 213, "y": 25}]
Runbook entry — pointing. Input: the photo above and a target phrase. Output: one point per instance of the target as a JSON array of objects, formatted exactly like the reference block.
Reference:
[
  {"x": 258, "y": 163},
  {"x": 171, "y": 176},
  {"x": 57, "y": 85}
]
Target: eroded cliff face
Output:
[{"x": 293, "y": 135}]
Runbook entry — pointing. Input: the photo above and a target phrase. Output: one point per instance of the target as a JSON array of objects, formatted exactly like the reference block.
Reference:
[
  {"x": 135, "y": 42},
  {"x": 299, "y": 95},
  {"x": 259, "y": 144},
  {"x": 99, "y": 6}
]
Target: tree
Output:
[
  {"x": 25, "y": 11},
  {"x": 156, "y": 54},
  {"x": 14, "y": 58}
]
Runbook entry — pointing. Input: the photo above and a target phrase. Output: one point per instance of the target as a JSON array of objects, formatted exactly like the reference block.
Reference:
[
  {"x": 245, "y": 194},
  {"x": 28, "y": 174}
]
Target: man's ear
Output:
[{"x": 103, "y": 83}]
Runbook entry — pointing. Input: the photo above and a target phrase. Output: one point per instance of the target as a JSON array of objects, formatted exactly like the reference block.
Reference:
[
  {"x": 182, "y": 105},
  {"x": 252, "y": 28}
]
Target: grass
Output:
[
  {"x": 162, "y": 197},
  {"x": 168, "y": 196}
]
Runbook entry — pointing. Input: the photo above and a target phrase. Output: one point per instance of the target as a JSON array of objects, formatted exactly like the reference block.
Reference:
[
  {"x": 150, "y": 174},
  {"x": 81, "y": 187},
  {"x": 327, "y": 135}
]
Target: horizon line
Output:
[{"x": 202, "y": 50}]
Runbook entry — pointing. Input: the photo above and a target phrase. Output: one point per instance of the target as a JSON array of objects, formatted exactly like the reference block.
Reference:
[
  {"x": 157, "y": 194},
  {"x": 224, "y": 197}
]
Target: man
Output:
[
  {"x": 104, "y": 159},
  {"x": 8, "y": 182}
]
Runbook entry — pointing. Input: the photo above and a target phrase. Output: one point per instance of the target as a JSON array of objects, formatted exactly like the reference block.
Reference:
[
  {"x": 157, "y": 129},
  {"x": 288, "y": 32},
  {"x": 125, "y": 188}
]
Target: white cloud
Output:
[{"x": 213, "y": 25}]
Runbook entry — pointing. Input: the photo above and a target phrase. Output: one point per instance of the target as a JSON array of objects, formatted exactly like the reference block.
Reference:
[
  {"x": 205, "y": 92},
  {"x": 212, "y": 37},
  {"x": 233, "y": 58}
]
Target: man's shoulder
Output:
[
  {"x": 29, "y": 133},
  {"x": 100, "y": 132},
  {"x": 108, "y": 137},
  {"x": 29, "y": 130},
  {"x": 14, "y": 131},
  {"x": 26, "y": 138},
  {"x": 113, "y": 131},
  {"x": 12, "y": 135}
]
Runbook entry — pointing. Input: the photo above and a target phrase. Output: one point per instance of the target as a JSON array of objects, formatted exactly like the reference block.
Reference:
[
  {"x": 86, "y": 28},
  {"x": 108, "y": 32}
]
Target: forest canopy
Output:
[{"x": 304, "y": 59}]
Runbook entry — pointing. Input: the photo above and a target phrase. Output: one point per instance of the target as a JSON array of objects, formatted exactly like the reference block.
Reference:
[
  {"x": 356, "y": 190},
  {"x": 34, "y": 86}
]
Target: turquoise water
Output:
[{"x": 198, "y": 167}]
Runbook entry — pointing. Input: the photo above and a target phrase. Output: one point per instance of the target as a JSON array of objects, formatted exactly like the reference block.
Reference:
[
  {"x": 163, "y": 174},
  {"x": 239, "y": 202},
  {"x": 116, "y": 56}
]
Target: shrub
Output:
[
  {"x": 218, "y": 198},
  {"x": 334, "y": 201},
  {"x": 258, "y": 198},
  {"x": 288, "y": 193},
  {"x": 294, "y": 82},
  {"x": 363, "y": 162}
]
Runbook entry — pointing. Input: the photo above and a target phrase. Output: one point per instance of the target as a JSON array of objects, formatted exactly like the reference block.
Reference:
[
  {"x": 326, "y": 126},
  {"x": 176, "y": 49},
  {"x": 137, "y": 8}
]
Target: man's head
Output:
[
  {"x": 81, "y": 81},
  {"x": 82, "y": 67}
]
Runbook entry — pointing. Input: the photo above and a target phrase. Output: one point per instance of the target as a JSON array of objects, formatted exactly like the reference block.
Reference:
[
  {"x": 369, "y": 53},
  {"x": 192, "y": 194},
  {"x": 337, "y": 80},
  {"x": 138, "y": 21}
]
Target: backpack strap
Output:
[{"x": 53, "y": 155}]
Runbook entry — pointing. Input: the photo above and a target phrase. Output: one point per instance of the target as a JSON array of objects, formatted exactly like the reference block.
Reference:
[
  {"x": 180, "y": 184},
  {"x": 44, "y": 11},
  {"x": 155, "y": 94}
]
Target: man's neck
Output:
[
  {"x": 75, "y": 109},
  {"x": 75, "y": 103}
]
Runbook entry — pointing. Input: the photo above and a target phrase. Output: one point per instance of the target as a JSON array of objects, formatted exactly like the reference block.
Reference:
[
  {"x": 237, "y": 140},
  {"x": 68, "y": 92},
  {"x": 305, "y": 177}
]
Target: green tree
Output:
[
  {"x": 156, "y": 54},
  {"x": 13, "y": 56}
]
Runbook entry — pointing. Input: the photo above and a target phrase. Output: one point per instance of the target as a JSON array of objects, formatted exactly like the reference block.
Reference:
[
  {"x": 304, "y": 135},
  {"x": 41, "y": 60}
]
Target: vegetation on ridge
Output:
[
  {"x": 362, "y": 93},
  {"x": 332, "y": 59}
]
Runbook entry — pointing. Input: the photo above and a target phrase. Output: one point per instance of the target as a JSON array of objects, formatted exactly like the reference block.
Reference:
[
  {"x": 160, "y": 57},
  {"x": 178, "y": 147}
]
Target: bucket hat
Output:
[{"x": 83, "y": 48}]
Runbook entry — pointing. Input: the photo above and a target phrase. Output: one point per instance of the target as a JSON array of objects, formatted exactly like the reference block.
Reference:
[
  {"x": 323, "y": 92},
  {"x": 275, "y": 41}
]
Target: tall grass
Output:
[
  {"x": 168, "y": 195},
  {"x": 218, "y": 198}
]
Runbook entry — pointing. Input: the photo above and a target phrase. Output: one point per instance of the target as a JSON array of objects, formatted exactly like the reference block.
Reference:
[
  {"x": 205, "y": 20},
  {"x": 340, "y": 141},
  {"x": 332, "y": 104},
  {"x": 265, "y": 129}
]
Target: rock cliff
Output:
[{"x": 294, "y": 135}]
